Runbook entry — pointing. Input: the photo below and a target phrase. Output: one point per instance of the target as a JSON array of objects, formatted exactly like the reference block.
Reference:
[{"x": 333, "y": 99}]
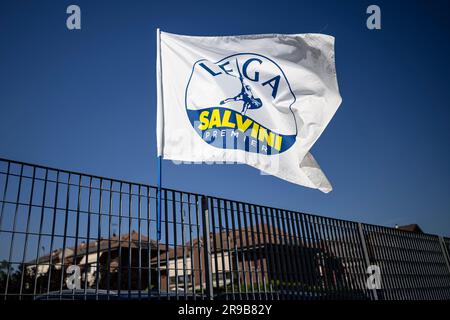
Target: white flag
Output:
[{"x": 262, "y": 100}]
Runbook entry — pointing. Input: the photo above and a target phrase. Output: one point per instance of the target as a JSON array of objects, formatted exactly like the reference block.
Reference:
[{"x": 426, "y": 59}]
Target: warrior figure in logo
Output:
[{"x": 246, "y": 96}]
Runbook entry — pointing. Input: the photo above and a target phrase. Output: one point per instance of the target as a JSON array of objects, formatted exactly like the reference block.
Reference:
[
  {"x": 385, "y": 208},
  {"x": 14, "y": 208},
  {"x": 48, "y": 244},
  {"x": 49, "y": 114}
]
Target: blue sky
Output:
[{"x": 85, "y": 100}]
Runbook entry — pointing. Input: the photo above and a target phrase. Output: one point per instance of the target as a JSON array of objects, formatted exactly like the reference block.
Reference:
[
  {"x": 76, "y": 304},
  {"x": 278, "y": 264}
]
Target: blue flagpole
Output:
[
  {"x": 158, "y": 201},
  {"x": 159, "y": 160}
]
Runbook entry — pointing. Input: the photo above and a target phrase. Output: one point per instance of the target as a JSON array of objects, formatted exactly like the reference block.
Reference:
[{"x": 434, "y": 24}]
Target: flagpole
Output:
[
  {"x": 158, "y": 202},
  {"x": 158, "y": 124}
]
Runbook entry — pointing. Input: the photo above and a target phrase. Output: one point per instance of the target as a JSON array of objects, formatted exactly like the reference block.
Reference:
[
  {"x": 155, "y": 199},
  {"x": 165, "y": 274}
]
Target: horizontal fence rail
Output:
[{"x": 68, "y": 235}]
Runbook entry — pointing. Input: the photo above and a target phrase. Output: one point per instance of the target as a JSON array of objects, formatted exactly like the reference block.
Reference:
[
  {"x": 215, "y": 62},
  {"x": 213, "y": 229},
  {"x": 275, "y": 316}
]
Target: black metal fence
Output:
[{"x": 69, "y": 235}]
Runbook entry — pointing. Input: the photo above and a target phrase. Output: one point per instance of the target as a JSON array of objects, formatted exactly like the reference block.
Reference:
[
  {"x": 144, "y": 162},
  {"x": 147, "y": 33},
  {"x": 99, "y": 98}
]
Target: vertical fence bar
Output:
[
  {"x": 320, "y": 252},
  {"x": 424, "y": 245},
  {"x": 280, "y": 282},
  {"x": 287, "y": 244},
  {"x": 419, "y": 258},
  {"x": 63, "y": 253},
  {"x": 253, "y": 249},
  {"x": 280, "y": 254},
  {"x": 331, "y": 291},
  {"x": 274, "y": 261},
  {"x": 366, "y": 254},
  {"x": 423, "y": 261},
  {"x": 339, "y": 263},
  {"x": 400, "y": 256},
  {"x": 247, "y": 249},
  {"x": 175, "y": 242},
  {"x": 316, "y": 278},
  {"x": 119, "y": 242},
  {"x": 378, "y": 254},
  {"x": 387, "y": 257},
  {"x": 235, "y": 249},
  {"x": 299, "y": 255},
  {"x": 5, "y": 191},
  {"x": 241, "y": 249},
  {"x": 229, "y": 248},
  {"x": 88, "y": 239},
  {"x": 191, "y": 248},
  {"x": 99, "y": 238},
  {"x": 445, "y": 253},
  {"x": 55, "y": 204},
  {"x": 139, "y": 286},
  {"x": 41, "y": 225},
  {"x": 183, "y": 246},
  {"x": 407, "y": 253},
  {"x": 74, "y": 260},
  {"x": 429, "y": 289},
  {"x": 27, "y": 232},
  {"x": 337, "y": 257},
  {"x": 440, "y": 268},
  {"x": 199, "y": 251},
  {"x": 446, "y": 243},
  {"x": 16, "y": 212},
  {"x": 224, "y": 275},
  {"x": 110, "y": 234},
  {"x": 214, "y": 242},
  {"x": 344, "y": 229},
  {"x": 130, "y": 235},
  {"x": 329, "y": 264},
  {"x": 207, "y": 249},
  {"x": 349, "y": 229},
  {"x": 261, "y": 255}
]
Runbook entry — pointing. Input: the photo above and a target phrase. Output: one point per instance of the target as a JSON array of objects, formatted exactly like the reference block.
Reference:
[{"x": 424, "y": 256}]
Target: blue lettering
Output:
[
  {"x": 274, "y": 86},
  {"x": 223, "y": 65},
  {"x": 245, "y": 66},
  {"x": 209, "y": 70}
]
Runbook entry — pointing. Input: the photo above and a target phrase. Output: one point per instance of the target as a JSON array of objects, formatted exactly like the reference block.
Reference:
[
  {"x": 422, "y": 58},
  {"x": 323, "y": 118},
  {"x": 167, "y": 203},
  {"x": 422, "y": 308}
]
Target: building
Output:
[{"x": 243, "y": 258}]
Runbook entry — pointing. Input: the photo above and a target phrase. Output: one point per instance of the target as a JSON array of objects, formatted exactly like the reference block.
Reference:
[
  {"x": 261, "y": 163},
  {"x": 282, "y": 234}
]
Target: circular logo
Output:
[{"x": 242, "y": 102}]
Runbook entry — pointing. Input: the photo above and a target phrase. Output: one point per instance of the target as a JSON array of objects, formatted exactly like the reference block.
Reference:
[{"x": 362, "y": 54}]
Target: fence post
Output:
[
  {"x": 207, "y": 248},
  {"x": 366, "y": 254},
  {"x": 445, "y": 252}
]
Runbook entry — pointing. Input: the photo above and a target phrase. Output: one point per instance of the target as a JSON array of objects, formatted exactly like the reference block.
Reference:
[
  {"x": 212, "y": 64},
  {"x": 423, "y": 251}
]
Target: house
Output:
[
  {"x": 244, "y": 257},
  {"x": 247, "y": 256},
  {"x": 411, "y": 228},
  {"x": 106, "y": 263}
]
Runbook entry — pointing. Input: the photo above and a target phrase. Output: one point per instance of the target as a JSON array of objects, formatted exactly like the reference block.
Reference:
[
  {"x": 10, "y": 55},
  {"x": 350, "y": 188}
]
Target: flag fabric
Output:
[{"x": 262, "y": 100}]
